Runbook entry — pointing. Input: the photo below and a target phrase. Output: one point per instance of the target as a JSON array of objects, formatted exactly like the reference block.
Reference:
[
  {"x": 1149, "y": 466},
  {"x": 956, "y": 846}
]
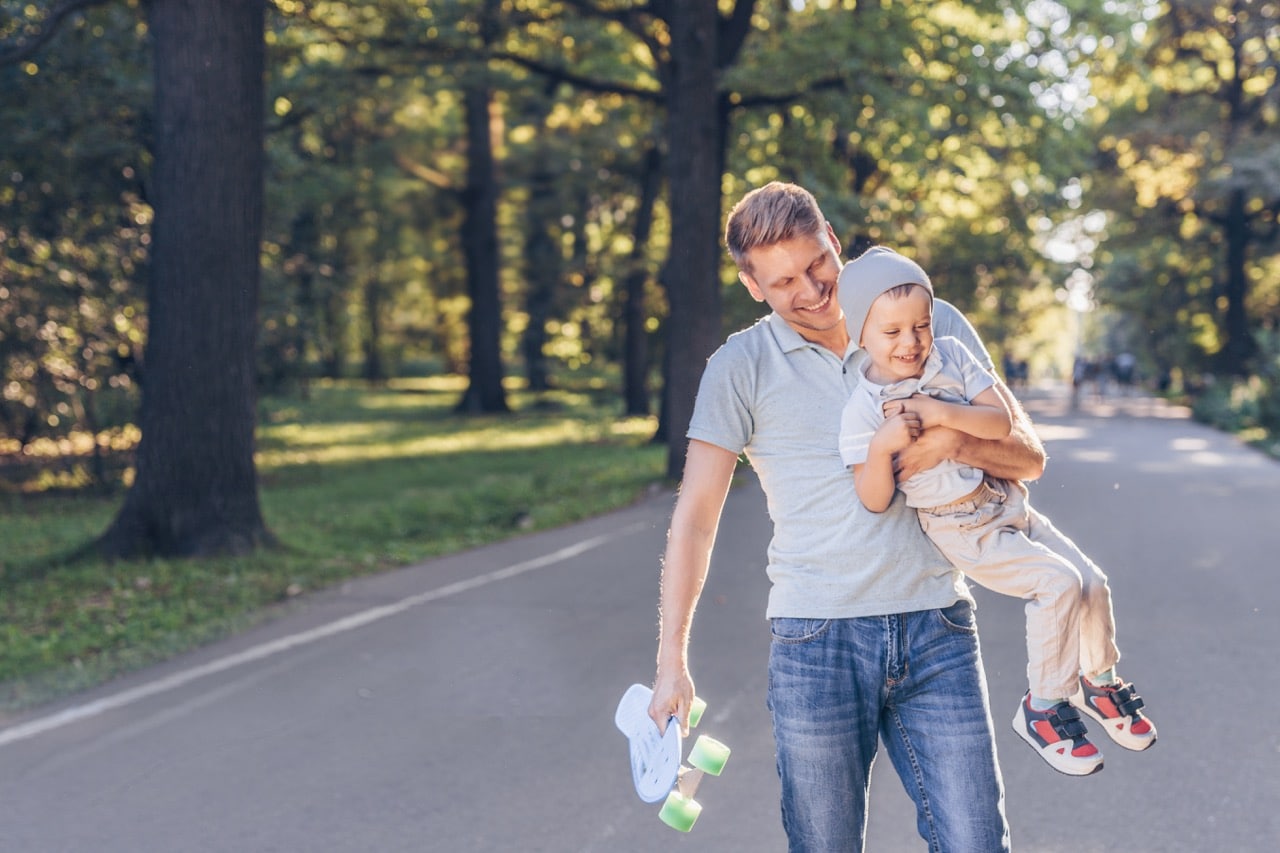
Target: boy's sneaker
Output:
[
  {"x": 1058, "y": 735},
  {"x": 1118, "y": 707}
]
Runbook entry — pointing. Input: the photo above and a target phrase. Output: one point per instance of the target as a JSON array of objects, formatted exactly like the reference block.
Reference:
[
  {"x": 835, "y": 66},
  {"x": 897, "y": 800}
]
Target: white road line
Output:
[{"x": 76, "y": 713}]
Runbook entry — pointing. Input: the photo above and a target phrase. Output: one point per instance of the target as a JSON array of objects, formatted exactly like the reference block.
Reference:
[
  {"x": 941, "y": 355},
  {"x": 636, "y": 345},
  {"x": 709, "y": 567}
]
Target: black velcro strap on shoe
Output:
[
  {"x": 1127, "y": 700},
  {"x": 1065, "y": 720}
]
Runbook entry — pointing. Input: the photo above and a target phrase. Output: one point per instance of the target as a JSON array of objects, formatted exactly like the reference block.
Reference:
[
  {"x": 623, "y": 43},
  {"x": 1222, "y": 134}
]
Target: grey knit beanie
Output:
[{"x": 876, "y": 271}]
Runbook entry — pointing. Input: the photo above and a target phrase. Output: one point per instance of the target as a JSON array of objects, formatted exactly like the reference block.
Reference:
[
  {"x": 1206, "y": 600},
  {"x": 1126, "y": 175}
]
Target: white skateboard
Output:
[{"x": 656, "y": 769}]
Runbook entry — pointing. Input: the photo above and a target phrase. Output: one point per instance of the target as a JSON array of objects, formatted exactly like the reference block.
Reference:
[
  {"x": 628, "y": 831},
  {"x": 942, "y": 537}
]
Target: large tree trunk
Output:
[
  {"x": 195, "y": 490},
  {"x": 480, "y": 245},
  {"x": 693, "y": 171}
]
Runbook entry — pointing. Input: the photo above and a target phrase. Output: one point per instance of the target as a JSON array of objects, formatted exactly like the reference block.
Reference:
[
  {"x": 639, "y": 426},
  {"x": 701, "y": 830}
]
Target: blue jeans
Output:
[{"x": 914, "y": 679}]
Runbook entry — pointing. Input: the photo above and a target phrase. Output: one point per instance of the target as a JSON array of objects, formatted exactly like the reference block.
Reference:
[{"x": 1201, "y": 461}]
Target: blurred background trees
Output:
[{"x": 524, "y": 190}]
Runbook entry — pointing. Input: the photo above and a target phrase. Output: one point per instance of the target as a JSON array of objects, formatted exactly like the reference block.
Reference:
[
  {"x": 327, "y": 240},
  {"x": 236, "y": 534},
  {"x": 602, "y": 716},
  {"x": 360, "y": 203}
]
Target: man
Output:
[{"x": 873, "y": 630}]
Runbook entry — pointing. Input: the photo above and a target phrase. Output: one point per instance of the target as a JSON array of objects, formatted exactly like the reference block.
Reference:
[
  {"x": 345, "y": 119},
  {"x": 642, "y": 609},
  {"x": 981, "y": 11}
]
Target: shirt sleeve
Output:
[
  {"x": 722, "y": 411},
  {"x": 965, "y": 366},
  {"x": 857, "y": 426},
  {"x": 949, "y": 322}
]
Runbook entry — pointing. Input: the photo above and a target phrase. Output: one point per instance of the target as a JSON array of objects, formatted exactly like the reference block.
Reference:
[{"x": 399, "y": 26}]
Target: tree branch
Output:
[
  {"x": 579, "y": 81},
  {"x": 425, "y": 173},
  {"x": 631, "y": 18},
  {"x": 635, "y": 20},
  {"x": 738, "y": 99},
  {"x": 25, "y": 49}
]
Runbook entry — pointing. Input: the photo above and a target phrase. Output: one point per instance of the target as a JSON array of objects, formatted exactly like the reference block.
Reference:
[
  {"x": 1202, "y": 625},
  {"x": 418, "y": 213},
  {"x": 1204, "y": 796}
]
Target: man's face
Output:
[{"x": 797, "y": 279}]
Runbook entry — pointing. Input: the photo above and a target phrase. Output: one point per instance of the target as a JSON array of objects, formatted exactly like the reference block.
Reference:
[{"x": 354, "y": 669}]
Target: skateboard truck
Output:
[{"x": 656, "y": 767}]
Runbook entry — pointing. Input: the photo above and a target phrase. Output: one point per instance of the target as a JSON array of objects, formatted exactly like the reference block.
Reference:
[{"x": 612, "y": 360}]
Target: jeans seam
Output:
[{"x": 925, "y": 806}]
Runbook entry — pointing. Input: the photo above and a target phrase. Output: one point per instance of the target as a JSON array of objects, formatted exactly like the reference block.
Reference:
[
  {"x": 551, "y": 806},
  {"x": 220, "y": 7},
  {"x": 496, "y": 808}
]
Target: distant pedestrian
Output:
[
  {"x": 1125, "y": 364},
  {"x": 1082, "y": 372}
]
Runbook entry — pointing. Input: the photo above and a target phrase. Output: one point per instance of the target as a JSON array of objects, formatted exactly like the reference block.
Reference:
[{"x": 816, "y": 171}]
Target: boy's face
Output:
[
  {"x": 898, "y": 335},
  {"x": 797, "y": 279}
]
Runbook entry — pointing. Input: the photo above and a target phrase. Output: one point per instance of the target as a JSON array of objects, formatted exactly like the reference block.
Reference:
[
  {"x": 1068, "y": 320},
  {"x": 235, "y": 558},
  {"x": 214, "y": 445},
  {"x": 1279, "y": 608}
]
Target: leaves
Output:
[{"x": 947, "y": 129}]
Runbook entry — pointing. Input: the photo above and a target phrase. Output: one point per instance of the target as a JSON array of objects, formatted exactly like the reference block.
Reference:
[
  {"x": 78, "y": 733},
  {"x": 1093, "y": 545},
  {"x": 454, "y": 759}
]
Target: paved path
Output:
[{"x": 466, "y": 704}]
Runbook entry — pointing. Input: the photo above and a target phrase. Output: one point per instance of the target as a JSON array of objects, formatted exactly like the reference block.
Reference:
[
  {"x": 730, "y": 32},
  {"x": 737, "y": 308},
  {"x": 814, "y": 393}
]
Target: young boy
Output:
[{"x": 910, "y": 382}]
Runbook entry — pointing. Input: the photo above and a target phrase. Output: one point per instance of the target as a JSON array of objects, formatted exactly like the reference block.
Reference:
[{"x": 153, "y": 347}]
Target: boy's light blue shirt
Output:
[
  {"x": 769, "y": 393},
  {"x": 952, "y": 374}
]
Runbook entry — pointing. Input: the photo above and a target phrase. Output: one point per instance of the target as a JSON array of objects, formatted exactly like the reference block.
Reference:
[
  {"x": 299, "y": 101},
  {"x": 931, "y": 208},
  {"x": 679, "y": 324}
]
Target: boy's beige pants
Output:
[{"x": 998, "y": 540}]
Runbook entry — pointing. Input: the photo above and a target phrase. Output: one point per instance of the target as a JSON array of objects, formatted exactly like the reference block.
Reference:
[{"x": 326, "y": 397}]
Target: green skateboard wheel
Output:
[
  {"x": 695, "y": 711},
  {"x": 709, "y": 755},
  {"x": 679, "y": 812}
]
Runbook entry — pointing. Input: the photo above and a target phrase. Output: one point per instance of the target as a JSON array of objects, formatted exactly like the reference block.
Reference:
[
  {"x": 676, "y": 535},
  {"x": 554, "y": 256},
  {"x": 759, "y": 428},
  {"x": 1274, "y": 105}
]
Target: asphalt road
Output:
[{"x": 466, "y": 704}]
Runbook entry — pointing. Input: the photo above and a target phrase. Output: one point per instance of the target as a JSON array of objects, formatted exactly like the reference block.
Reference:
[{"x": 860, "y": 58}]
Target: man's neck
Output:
[{"x": 835, "y": 339}]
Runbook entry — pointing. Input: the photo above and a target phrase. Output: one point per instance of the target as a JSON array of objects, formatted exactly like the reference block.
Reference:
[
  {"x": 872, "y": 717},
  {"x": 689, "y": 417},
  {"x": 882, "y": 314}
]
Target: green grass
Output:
[{"x": 353, "y": 481}]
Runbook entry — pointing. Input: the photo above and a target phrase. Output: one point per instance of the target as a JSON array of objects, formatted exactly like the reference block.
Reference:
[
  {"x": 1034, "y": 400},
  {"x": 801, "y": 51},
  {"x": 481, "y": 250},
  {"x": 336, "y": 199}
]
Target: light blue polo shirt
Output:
[{"x": 773, "y": 396}]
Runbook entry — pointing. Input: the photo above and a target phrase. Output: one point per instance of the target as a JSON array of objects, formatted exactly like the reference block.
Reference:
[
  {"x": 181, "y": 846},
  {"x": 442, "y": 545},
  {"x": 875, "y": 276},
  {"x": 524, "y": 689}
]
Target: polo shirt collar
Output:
[{"x": 789, "y": 340}]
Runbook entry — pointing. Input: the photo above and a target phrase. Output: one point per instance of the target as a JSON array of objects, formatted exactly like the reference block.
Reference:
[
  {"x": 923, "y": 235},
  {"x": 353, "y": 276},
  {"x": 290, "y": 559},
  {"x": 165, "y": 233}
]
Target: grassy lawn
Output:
[{"x": 353, "y": 481}]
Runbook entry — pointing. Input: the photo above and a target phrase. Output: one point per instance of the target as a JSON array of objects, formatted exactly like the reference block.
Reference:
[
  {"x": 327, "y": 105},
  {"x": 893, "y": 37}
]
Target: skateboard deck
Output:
[{"x": 657, "y": 770}]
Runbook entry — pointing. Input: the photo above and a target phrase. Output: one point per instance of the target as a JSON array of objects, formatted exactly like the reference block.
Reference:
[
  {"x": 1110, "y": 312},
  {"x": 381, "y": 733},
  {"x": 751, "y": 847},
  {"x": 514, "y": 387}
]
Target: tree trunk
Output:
[
  {"x": 480, "y": 245},
  {"x": 305, "y": 245},
  {"x": 374, "y": 368},
  {"x": 195, "y": 491},
  {"x": 542, "y": 271},
  {"x": 582, "y": 269},
  {"x": 635, "y": 364},
  {"x": 693, "y": 279},
  {"x": 1238, "y": 346}
]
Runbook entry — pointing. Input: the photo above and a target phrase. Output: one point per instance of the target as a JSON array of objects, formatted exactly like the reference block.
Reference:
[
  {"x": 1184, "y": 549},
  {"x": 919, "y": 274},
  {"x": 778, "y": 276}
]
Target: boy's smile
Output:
[{"x": 898, "y": 335}]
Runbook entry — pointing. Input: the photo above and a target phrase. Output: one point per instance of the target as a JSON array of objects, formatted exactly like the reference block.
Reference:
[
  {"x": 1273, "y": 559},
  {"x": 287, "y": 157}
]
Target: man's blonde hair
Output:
[{"x": 771, "y": 214}]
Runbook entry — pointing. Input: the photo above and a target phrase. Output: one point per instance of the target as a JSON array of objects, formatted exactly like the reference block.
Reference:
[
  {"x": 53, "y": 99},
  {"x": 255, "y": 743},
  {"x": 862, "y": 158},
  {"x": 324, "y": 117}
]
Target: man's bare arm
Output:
[{"x": 708, "y": 472}]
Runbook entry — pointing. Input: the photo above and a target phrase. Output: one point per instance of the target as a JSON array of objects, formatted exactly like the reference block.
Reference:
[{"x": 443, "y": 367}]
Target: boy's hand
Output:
[
  {"x": 897, "y": 433},
  {"x": 929, "y": 410}
]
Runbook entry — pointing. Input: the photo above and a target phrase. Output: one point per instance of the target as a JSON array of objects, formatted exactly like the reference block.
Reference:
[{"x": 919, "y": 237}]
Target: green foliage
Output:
[
  {"x": 1229, "y": 404},
  {"x": 355, "y": 480},
  {"x": 971, "y": 135},
  {"x": 1189, "y": 174},
  {"x": 941, "y": 128},
  {"x": 1248, "y": 406},
  {"x": 1268, "y": 374},
  {"x": 953, "y": 130},
  {"x": 74, "y": 229}
]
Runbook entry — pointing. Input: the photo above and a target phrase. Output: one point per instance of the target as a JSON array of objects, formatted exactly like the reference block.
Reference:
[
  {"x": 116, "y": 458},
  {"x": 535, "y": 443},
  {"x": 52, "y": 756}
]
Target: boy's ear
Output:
[{"x": 750, "y": 283}]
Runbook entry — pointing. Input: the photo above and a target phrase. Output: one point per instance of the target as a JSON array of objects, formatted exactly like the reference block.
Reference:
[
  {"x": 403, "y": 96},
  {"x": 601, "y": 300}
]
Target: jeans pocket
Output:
[
  {"x": 794, "y": 631},
  {"x": 958, "y": 617}
]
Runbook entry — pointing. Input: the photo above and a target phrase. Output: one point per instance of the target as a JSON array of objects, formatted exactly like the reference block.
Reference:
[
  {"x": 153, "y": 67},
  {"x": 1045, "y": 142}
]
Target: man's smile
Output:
[{"x": 820, "y": 306}]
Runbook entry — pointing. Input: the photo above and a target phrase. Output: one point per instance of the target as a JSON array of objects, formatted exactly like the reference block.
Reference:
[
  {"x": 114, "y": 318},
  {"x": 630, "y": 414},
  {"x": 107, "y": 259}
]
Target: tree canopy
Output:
[{"x": 525, "y": 188}]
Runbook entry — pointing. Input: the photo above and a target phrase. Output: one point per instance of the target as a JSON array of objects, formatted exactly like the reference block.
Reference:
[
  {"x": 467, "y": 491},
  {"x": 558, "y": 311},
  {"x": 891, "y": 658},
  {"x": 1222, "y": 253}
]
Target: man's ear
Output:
[{"x": 750, "y": 283}]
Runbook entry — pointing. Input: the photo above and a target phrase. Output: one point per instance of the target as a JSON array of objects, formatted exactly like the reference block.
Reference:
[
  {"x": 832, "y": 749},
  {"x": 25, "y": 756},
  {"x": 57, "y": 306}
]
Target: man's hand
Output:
[
  {"x": 672, "y": 697},
  {"x": 931, "y": 447}
]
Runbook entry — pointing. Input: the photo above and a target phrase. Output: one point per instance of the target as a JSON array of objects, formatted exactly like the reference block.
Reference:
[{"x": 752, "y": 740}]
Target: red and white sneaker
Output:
[
  {"x": 1118, "y": 708},
  {"x": 1058, "y": 735}
]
